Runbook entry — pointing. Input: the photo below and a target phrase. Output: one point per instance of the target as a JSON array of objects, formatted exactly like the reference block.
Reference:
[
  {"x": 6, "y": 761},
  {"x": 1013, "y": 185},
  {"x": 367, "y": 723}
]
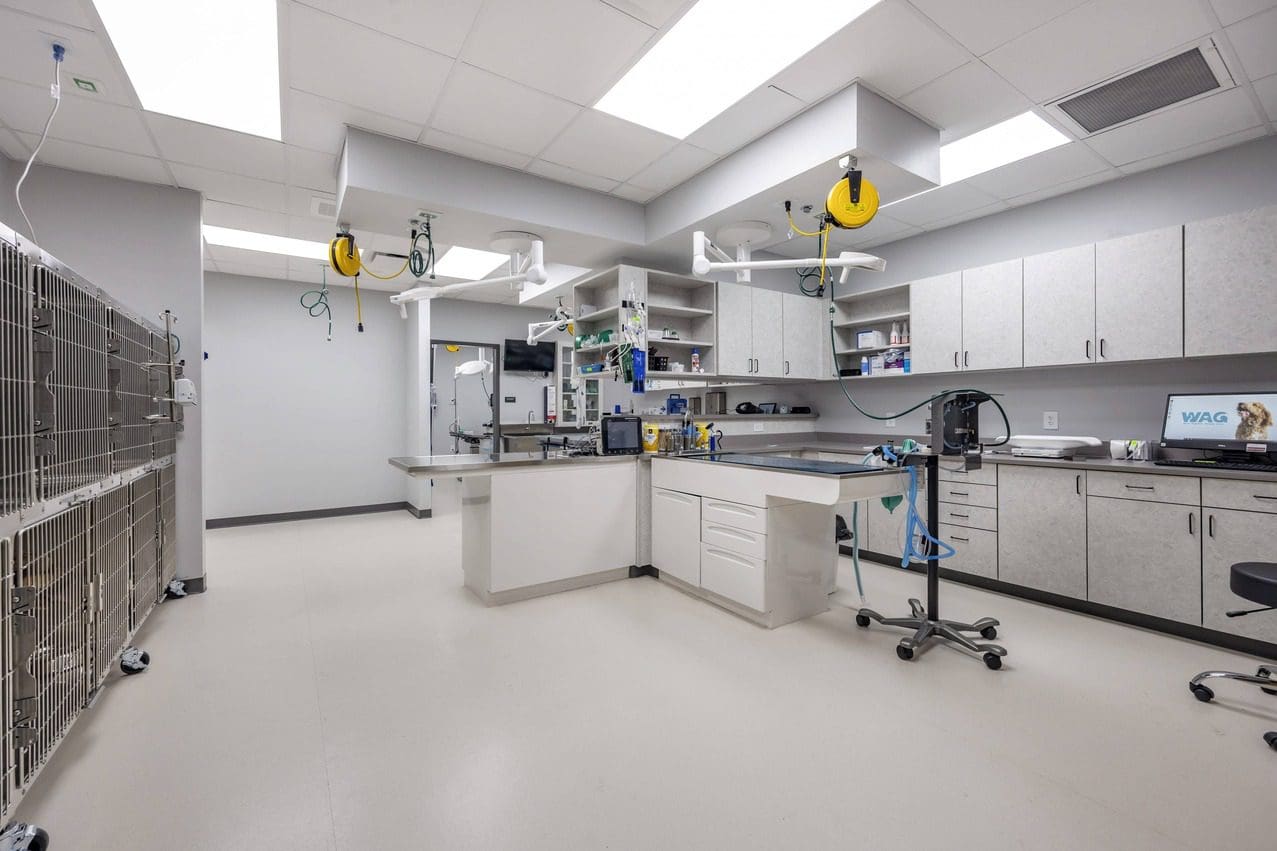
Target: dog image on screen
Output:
[{"x": 1256, "y": 419}]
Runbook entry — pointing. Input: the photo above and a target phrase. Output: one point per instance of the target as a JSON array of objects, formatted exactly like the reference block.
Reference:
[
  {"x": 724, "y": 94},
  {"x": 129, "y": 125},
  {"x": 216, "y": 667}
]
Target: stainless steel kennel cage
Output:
[{"x": 88, "y": 492}]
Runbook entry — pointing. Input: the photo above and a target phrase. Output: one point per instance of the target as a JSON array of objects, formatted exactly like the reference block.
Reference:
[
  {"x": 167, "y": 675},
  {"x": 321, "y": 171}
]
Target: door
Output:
[
  {"x": 735, "y": 348},
  {"x": 935, "y": 323},
  {"x": 1059, "y": 307},
  {"x": 806, "y": 337},
  {"x": 1042, "y": 529},
  {"x": 993, "y": 316},
  {"x": 676, "y": 535},
  {"x": 1139, "y": 296},
  {"x": 1145, "y": 557},
  {"x": 1231, "y": 537},
  {"x": 769, "y": 333},
  {"x": 1230, "y": 264}
]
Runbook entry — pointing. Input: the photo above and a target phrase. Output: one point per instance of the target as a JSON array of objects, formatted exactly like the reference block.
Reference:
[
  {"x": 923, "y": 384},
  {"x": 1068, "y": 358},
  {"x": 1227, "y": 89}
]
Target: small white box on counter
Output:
[{"x": 870, "y": 339}]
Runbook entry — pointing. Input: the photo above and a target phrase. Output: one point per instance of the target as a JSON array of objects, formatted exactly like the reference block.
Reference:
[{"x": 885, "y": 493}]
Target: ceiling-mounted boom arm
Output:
[
  {"x": 703, "y": 248},
  {"x": 527, "y": 266}
]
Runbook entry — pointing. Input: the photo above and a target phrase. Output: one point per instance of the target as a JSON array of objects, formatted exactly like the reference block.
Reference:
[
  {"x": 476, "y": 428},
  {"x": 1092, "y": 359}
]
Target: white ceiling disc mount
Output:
[
  {"x": 507, "y": 241},
  {"x": 744, "y": 233}
]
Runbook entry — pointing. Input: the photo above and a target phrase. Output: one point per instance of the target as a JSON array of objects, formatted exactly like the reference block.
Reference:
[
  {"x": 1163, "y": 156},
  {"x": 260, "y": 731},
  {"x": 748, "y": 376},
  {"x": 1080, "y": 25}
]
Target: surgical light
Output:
[
  {"x": 264, "y": 242},
  {"x": 717, "y": 53},
  {"x": 216, "y": 63},
  {"x": 468, "y": 263}
]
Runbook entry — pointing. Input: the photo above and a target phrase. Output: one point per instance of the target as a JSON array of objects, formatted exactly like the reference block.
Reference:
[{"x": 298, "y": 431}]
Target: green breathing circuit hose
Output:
[{"x": 316, "y": 303}]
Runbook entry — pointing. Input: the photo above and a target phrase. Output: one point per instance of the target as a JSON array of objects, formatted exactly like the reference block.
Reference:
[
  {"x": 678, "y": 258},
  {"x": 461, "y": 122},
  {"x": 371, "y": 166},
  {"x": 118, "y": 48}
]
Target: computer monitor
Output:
[{"x": 1229, "y": 422}]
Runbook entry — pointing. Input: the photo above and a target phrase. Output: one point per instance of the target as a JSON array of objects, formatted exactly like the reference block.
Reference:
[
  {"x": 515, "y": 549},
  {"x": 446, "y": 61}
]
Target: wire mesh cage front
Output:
[
  {"x": 145, "y": 578},
  {"x": 6, "y": 680},
  {"x": 165, "y": 431},
  {"x": 168, "y": 526},
  {"x": 52, "y": 629},
  {"x": 71, "y": 378},
  {"x": 112, "y": 554},
  {"x": 16, "y": 442},
  {"x": 130, "y": 399}
]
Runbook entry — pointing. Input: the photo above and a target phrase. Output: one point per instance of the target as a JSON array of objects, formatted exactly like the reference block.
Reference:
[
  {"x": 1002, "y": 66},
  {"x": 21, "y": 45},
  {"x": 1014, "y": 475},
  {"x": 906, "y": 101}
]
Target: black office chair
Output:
[{"x": 1255, "y": 581}]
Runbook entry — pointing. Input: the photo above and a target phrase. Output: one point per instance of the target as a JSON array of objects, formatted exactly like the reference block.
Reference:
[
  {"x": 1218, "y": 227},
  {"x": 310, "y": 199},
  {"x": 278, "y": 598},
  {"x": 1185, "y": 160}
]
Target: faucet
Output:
[{"x": 531, "y": 414}]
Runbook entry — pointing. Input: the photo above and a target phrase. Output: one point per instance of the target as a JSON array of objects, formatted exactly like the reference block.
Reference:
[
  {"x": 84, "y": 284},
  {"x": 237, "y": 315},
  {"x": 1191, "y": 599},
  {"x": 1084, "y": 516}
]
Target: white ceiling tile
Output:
[
  {"x": 1267, "y": 91},
  {"x": 1096, "y": 41},
  {"x": 965, "y": 100},
  {"x": 602, "y": 144},
  {"x": 675, "y": 167},
  {"x": 319, "y": 124},
  {"x": 311, "y": 272},
  {"x": 968, "y": 215},
  {"x": 26, "y": 57},
  {"x": 882, "y": 229},
  {"x": 1194, "y": 122},
  {"x": 939, "y": 204},
  {"x": 634, "y": 193},
  {"x": 250, "y": 270},
  {"x": 77, "y": 157},
  {"x": 311, "y": 227},
  {"x": 1065, "y": 188},
  {"x": 982, "y": 25},
  {"x": 891, "y": 47},
  {"x": 480, "y": 105},
  {"x": 571, "y": 48},
  {"x": 222, "y": 254},
  {"x": 299, "y": 200},
  {"x": 217, "y": 148},
  {"x": 12, "y": 147},
  {"x": 311, "y": 169},
  {"x": 440, "y": 25},
  {"x": 750, "y": 117},
  {"x": 1040, "y": 171},
  {"x": 474, "y": 150},
  {"x": 231, "y": 188},
  {"x": 1232, "y": 11},
  {"x": 1255, "y": 40},
  {"x": 73, "y": 12},
  {"x": 1191, "y": 151},
  {"x": 223, "y": 215},
  {"x": 654, "y": 12},
  {"x": 564, "y": 174},
  {"x": 363, "y": 67},
  {"x": 80, "y": 118}
]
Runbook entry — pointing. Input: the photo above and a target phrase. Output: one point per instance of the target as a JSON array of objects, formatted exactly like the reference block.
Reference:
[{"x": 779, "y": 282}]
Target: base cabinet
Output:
[
  {"x": 1231, "y": 537},
  {"x": 676, "y": 534},
  {"x": 1042, "y": 529},
  {"x": 1145, "y": 557},
  {"x": 975, "y": 551}
]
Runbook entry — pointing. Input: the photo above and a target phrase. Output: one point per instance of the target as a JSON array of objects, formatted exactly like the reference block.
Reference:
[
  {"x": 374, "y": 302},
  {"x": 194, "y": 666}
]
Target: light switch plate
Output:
[
  {"x": 759, "y": 427},
  {"x": 1051, "y": 420},
  {"x": 890, "y": 424}
]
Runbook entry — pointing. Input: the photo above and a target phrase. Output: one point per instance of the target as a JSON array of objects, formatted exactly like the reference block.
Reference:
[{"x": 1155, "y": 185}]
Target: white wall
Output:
[
  {"x": 141, "y": 243},
  {"x": 294, "y": 422}
]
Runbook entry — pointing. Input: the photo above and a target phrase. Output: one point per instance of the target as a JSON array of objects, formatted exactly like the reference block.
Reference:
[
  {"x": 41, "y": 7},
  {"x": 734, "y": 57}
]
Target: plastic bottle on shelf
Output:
[
  {"x": 904, "y": 333},
  {"x": 864, "y": 365},
  {"x": 696, "y": 360},
  {"x": 895, "y": 334}
]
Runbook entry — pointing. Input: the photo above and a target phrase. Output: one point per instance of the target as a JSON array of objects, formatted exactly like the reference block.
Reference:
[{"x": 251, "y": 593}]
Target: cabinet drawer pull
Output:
[
  {"x": 1261, "y": 496},
  {"x": 1138, "y": 487},
  {"x": 957, "y": 538},
  {"x": 956, "y": 514},
  {"x": 732, "y": 509},
  {"x": 958, "y": 493},
  {"x": 729, "y": 532},
  {"x": 726, "y": 556}
]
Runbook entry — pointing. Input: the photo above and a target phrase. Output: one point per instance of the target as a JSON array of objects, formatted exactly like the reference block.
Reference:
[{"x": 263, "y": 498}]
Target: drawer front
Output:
[
  {"x": 985, "y": 496},
  {"x": 1180, "y": 490},
  {"x": 985, "y": 475},
  {"x": 741, "y": 541},
  {"x": 734, "y": 514},
  {"x": 970, "y": 516},
  {"x": 734, "y": 576},
  {"x": 975, "y": 550},
  {"x": 1244, "y": 496}
]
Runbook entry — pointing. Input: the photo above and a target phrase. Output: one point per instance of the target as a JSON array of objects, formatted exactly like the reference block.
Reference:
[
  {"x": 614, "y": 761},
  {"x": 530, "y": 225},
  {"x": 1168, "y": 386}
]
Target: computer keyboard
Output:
[{"x": 1218, "y": 465}]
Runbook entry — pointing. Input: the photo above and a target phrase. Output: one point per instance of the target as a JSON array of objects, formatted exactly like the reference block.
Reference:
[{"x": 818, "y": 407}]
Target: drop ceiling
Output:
[{"x": 511, "y": 83}]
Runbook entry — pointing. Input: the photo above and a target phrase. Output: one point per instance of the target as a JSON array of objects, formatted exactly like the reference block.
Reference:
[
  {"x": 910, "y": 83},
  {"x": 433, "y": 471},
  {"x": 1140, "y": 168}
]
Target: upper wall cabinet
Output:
[
  {"x": 935, "y": 319},
  {"x": 1230, "y": 284},
  {"x": 806, "y": 333},
  {"x": 1059, "y": 307},
  {"x": 1139, "y": 296},
  {"x": 750, "y": 331},
  {"x": 993, "y": 316}
]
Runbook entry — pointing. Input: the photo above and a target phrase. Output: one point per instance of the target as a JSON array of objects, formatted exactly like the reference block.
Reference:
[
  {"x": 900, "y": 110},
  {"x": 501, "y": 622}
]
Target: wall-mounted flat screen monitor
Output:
[{"x": 520, "y": 357}]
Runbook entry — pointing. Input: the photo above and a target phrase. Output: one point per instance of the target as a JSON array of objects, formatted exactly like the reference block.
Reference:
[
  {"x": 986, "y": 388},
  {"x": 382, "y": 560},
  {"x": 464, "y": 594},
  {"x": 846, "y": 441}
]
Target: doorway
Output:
[{"x": 465, "y": 381}]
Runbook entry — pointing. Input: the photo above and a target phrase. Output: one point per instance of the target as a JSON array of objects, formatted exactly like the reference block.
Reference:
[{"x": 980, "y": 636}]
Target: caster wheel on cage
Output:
[
  {"x": 862, "y": 620},
  {"x": 24, "y": 837},
  {"x": 1271, "y": 738},
  {"x": 989, "y": 633},
  {"x": 134, "y": 661},
  {"x": 992, "y": 661},
  {"x": 905, "y": 653},
  {"x": 1266, "y": 672},
  {"x": 175, "y": 590},
  {"x": 1201, "y": 692}
]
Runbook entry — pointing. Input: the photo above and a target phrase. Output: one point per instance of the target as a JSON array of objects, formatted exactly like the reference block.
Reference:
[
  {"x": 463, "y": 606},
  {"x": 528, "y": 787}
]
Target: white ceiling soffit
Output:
[{"x": 387, "y": 181}]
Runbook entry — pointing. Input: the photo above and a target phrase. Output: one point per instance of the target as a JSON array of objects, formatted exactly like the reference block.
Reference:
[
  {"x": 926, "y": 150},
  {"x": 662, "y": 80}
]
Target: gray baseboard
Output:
[
  {"x": 198, "y": 585},
  {"x": 287, "y": 516},
  {"x": 419, "y": 513}
]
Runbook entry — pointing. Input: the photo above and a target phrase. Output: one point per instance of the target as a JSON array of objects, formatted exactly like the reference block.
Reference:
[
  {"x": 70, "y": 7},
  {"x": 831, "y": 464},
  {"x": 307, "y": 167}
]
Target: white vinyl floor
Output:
[{"x": 337, "y": 688}]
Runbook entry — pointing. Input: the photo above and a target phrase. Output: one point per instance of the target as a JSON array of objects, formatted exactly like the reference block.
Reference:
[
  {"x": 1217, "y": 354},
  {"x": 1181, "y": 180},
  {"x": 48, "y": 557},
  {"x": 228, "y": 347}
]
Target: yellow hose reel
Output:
[
  {"x": 852, "y": 202},
  {"x": 343, "y": 255}
]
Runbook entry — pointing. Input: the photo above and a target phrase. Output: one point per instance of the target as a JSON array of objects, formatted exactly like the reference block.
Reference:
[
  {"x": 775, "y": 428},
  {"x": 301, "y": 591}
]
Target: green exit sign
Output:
[{"x": 85, "y": 85}]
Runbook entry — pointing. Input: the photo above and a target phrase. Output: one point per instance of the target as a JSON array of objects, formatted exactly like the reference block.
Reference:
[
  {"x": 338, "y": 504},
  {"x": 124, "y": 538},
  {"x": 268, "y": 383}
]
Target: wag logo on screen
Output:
[{"x": 1195, "y": 417}]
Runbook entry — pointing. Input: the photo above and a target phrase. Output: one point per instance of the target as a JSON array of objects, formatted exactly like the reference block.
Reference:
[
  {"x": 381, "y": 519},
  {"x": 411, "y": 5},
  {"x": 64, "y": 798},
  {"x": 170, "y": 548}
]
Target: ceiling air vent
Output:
[
  {"x": 1178, "y": 78},
  {"x": 323, "y": 206}
]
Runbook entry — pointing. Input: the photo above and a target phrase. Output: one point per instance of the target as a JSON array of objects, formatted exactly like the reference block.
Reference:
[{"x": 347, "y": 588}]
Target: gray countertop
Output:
[{"x": 445, "y": 465}]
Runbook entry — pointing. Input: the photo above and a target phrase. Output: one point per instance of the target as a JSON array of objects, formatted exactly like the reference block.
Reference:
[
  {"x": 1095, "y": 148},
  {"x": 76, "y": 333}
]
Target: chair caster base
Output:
[
  {"x": 926, "y": 630},
  {"x": 1271, "y": 738},
  {"x": 23, "y": 837}
]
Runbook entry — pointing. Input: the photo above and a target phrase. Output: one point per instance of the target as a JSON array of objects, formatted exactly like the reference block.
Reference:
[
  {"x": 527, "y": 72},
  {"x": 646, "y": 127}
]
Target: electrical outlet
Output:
[
  {"x": 890, "y": 423},
  {"x": 1051, "y": 420},
  {"x": 759, "y": 427}
]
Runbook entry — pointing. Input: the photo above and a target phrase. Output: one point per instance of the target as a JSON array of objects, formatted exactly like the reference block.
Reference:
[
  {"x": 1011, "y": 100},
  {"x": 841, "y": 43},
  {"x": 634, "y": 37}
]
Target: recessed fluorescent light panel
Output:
[
  {"x": 265, "y": 242},
  {"x": 717, "y": 53},
  {"x": 216, "y": 63},
  {"x": 1014, "y": 139},
  {"x": 470, "y": 264}
]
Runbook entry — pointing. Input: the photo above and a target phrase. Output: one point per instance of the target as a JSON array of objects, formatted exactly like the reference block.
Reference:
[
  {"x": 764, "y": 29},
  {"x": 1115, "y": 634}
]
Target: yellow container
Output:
[
  {"x": 651, "y": 437},
  {"x": 702, "y": 436}
]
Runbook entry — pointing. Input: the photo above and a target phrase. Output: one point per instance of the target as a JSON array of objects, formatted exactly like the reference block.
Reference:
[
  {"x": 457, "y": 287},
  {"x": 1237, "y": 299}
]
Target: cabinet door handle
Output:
[
  {"x": 966, "y": 359},
  {"x": 1210, "y": 525},
  {"x": 787, "y": 367},
  {"x": 1138, "y": 487},
  {"x": 1088, "y": 349},
  {"x": 955, "y": 360},
  {"x": 1192, "y": 530},
  {"x": 1102, "y": 354},
  {"x": 1079, "y": 484}
]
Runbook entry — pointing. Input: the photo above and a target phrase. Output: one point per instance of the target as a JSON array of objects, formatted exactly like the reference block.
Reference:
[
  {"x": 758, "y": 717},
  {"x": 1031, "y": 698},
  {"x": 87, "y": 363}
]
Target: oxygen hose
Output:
[{"x": 316, "y": 303}]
